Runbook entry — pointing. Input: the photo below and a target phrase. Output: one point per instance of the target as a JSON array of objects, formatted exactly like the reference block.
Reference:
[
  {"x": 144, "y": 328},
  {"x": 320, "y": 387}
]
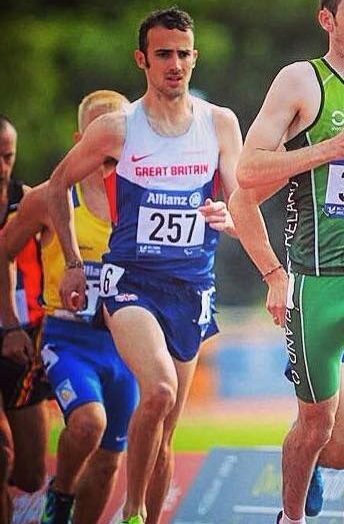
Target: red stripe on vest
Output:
[{"x": 111, "y": 193}]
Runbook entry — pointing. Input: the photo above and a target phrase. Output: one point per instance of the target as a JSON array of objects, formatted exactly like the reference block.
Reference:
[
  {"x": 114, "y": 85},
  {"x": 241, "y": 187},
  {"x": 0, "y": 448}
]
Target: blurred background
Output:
[{"x": 54, "y": 53}]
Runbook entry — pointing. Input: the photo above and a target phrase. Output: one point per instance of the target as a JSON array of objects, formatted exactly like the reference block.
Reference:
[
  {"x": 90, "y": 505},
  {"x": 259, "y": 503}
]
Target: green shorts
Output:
[{"x": 315, "y": 334}]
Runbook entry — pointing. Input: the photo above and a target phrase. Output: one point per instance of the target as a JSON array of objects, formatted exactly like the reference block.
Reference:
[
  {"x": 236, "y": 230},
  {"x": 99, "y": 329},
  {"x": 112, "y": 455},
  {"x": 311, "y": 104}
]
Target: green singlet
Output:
[{"x": 314, "y": 237}]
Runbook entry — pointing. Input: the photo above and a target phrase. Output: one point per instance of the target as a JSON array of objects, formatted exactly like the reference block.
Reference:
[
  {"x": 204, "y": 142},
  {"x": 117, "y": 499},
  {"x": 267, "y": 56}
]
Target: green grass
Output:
[
  {"x": 201, "y": 436},
  {"x": 53, "y": 437}
]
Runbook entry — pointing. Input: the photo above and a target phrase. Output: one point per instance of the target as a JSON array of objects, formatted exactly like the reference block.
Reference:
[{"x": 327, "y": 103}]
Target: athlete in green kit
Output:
[
  {"x": 314, "y": 237},
  {"x": 298, "y": 137}
]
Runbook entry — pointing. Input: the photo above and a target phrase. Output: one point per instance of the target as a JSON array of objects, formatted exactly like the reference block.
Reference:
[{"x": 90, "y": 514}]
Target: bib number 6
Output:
[{"x": 109, "y": 279}]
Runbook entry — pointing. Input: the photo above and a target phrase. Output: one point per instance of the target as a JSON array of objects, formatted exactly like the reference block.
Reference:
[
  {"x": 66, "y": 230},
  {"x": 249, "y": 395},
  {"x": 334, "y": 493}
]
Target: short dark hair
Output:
[
  {"x": 331, "y": 5},
  {"x": 4, "y": 122},
  {"x": 172, "y": 18}
]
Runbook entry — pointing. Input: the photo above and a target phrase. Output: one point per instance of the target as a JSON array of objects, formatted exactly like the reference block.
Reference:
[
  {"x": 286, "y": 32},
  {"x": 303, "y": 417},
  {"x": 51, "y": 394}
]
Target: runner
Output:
[
  {"x": 303, "y": 109},
  {"x": 157, "y": 282},
  {"x": 95, "y": 390},
  {"x": 23, "y": 413}
]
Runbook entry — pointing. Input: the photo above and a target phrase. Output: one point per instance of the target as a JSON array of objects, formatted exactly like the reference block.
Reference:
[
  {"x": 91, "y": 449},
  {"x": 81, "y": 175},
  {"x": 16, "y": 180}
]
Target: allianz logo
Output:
[
  {"x": 194, "y": 200},
  {"x": 92, "y": 270},
  {"x": 338, "y": 118}
]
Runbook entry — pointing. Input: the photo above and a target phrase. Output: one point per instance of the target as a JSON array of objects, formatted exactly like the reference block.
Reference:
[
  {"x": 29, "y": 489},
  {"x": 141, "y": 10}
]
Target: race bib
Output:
[
  {"x": 206, "y": 306},
  {"x": 109, "y": 279},
  {"x": 334, "y": 202},
  {"x": 170, "y": 225},
  {"x": 92, "y": 273},
  {"x": 290, "y": 293}
]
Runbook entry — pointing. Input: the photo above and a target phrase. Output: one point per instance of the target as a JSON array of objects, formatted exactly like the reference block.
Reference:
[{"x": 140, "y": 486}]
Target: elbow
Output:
[
  {"x": 57, "y": 185},
  {"x": 232, "y": 203},
  {"x": 245, "y": 177},
  {"x": 235, "y": 206}
]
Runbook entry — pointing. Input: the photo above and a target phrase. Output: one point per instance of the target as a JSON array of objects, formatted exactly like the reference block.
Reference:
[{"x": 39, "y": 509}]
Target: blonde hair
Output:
[{"x": 108, "y": 100}]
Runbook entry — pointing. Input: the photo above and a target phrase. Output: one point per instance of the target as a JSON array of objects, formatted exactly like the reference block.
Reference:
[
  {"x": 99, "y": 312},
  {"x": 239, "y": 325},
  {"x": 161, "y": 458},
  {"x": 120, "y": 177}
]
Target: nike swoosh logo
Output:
[{"x": 138, "y": 158}]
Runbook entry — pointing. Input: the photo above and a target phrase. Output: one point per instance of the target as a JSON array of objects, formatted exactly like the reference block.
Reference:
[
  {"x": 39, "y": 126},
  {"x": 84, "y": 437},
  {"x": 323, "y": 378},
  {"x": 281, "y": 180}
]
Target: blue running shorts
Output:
[
  {"x": 83, "y": 366},
  {"x": 185, "y": 311}
]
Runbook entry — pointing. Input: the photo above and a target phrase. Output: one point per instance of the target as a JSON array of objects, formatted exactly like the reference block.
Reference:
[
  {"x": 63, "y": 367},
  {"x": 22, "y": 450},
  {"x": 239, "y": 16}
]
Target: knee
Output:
[
  {"x": 87, "y": 426},
  {"x": 317, "y": 439},
  {"x": 30, "y": 481},
  {"x": 319, "y": 434},
  {"x": 159, "y": 400}
]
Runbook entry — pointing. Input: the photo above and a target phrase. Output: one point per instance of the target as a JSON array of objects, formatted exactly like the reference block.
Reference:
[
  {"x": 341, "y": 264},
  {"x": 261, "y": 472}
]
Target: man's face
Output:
[
  {"x": 170, "y": 60},
  {"x": 333, "y": 24},
  {"x": 8, "y": 143}
]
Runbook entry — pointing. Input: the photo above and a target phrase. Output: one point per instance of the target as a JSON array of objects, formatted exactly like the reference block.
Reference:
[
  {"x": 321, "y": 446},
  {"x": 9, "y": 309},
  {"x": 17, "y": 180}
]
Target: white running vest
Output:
[{"x": 160, "y": 183}]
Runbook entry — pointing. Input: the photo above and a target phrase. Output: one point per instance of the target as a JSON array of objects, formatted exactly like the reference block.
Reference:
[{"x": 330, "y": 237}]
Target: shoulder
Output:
[
  {"x": 297, "y": 70},
  {"x": 226, "y": 126},
  {"x": 224, "y": 117},
  {"x": 34, "y": 202},
  {"x": 220, "y": 115},
  {"x": 107, "y": 132},
  {"x": 108, "y": 124},
  {"x": 296, "y": 80}
]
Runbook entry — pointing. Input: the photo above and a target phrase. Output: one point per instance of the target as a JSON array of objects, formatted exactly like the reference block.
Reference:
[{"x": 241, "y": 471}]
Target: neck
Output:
[
  {"x": 335, "y": 57},
  {"x": 167, "y": 116}
]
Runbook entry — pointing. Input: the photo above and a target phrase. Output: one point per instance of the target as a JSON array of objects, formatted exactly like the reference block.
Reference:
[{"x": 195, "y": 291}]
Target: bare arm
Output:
[
  {"x": 27, "y": 222},
  {"x": 103, "y": 138},
  {"x": 230, "y": 144},
  {"x": 250, "y": 227},
  {"x": 291, "y": 105}
]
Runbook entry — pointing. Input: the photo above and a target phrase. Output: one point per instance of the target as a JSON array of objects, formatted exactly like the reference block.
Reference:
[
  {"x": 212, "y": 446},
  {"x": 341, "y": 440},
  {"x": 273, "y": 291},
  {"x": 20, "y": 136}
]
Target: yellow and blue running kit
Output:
[
  {"x": 314, "y": 237},
  {"x": 81, "y": 361}
]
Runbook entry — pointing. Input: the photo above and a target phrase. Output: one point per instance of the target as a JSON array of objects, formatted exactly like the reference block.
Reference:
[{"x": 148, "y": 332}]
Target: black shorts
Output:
[{"x": 23, "y": 385}]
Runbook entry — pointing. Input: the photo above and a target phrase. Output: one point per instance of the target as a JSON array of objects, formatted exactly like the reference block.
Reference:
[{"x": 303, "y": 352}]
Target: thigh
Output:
[
  {"x": 186, "y": 315},
  {"x": 314, "y": 335},
  {"x": 318, "y": 415},
  {"x": 338, "y": 430},
  {"x": 141, "y": 343},
  {"x": 74, "y": 377}
]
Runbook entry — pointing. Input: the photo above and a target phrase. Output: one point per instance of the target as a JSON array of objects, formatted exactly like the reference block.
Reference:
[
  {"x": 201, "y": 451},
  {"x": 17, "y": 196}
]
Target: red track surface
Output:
[{"x": 28, "y": 507}]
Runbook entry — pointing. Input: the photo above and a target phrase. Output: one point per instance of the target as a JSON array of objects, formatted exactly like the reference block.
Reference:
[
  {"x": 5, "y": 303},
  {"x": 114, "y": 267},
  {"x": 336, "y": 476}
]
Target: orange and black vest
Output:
[{"x": 28, "y": 267}]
